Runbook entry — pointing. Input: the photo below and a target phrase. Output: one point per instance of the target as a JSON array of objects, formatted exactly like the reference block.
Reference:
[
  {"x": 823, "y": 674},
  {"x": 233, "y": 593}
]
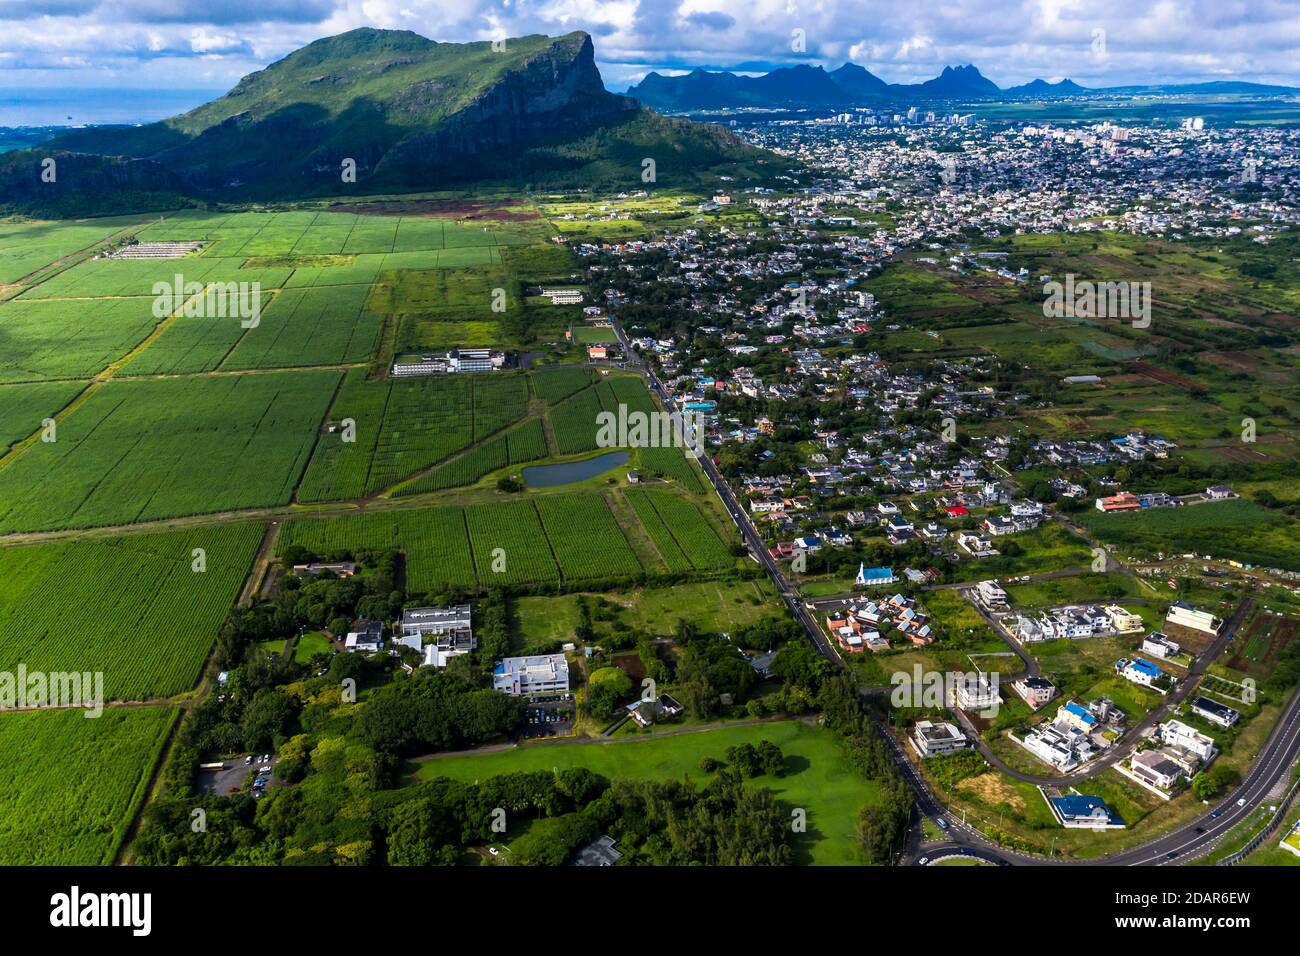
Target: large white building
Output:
[
  {"x": 527, "y": 676},
  {"x": 1184, "y": 615},
  {"x": 439, "y": 633}
]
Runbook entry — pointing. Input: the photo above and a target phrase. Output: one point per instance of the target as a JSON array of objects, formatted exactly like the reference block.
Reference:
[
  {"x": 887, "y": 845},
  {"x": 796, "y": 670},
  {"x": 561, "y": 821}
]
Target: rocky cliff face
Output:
[{"x": 553, "y": 92}]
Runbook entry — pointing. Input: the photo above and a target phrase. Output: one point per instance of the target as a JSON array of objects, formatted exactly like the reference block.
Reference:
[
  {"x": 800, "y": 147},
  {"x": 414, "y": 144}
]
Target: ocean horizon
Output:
[{"x": 84, "y": 106}]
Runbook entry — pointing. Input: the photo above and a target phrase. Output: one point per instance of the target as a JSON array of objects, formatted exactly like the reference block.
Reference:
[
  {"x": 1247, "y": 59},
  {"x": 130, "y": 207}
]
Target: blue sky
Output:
[{"x": 209, "y": 44}]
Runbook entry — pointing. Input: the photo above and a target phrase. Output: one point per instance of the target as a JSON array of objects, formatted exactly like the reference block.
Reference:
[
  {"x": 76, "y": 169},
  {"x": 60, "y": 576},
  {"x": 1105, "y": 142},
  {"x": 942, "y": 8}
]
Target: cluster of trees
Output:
[
  {"x": 754, "y": 760},
  {"x": 608, "y": 688},
  {"x": 882, "y": 825},
  {"x": 436, "y": 822}
]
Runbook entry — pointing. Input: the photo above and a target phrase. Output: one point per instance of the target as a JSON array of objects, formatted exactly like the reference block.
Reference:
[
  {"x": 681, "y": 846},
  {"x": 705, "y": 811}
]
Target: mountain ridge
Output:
[{"x": 399, "y": 111}]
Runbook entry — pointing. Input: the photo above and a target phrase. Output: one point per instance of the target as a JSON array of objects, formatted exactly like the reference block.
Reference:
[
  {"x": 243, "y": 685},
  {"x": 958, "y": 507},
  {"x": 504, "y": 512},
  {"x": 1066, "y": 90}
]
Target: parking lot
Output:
[
  {"x": 230, "y": 779},
  {"x": 547, "y": 717}
]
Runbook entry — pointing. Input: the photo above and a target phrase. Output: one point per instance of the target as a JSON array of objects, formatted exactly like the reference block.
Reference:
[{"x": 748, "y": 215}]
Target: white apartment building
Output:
[
  {"x": 1185, "y": 615},
  {"x": 991, "y": 595},
  {"x": 527, "y": 676},
  {"x": 976, "y": 692},
  {"x": 1180, "y": 736}
]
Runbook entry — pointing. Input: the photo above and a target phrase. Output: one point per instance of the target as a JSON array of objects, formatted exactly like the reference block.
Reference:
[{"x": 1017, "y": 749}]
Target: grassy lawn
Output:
[
  {"x": 714, "y": 606},
  {"x": 817, "y": 777},
  {"x": 309, "y": 645}
]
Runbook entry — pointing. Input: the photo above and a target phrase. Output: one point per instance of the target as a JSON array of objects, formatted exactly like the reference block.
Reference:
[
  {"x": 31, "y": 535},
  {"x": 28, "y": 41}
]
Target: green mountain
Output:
[{"x": 409, "y": 113}]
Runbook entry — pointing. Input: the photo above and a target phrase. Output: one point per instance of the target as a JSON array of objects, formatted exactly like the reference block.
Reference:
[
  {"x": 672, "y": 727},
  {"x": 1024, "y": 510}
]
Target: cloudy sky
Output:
[{"x": 209, "y": 44}]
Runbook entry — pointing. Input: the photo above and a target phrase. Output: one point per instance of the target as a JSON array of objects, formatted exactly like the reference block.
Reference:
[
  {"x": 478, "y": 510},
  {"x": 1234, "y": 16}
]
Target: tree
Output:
[{"x": 607, "y": 687}]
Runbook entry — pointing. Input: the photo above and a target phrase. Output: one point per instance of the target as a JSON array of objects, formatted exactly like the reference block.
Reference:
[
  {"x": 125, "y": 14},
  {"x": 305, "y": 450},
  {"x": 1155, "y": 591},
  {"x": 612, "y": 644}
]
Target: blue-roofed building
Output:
[
  {"x": 1139, "y": 671},
  {"x": 870, "y": 577},
  {"x": 1076, "y": 715},
  {"x": 1081, "y": 810}
]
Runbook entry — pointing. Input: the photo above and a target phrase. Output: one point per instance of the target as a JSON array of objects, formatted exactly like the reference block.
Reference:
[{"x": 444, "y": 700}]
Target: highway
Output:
[{"x": 1189, "y": 841}]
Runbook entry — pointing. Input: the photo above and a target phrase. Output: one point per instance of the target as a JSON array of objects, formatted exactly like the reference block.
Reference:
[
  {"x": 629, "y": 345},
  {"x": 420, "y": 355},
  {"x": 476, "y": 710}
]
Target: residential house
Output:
[{"x": 935, "y": 738}]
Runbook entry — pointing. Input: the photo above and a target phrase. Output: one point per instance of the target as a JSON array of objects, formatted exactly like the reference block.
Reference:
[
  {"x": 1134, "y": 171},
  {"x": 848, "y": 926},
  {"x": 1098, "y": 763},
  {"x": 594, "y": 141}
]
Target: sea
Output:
[{"x": 82, "y": 106}]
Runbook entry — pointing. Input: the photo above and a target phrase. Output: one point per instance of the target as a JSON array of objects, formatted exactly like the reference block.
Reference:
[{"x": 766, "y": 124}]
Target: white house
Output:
[
  {"x": 1158, "y": 645},
  {"x": 366, "y": 637},
  {"x": 1153, "y": 767},
  {"x": 1179, "y": 735},
  {"x": 991, "y": 595},
  {"x": 1213, "y": 711},
  {"x": 934, "y": 738},
  {"x": 1036, "y": 691},
  {"x": 976, "y": 692},
  {"x": 1139, "y": 671}
]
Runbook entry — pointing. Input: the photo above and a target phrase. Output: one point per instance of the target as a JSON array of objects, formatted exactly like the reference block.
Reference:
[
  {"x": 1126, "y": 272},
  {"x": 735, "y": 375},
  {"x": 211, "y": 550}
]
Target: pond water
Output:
[{"x": 547, "y": 476}]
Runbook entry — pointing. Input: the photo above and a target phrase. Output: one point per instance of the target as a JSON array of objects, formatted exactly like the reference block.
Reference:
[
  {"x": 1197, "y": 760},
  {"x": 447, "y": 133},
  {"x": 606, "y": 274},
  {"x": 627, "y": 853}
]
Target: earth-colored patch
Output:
[{"x": 993, "y": 790}]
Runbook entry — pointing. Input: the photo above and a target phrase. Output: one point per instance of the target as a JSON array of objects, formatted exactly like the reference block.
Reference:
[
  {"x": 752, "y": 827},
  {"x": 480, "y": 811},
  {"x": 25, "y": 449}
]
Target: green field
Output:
[
  {"x": 712, "y": 606},
  {"x": 70, "y": 786},
  {"x": 820, "y": 780},
  {"x": 137, "y": 450},
  {"x": 132, "y": 607},
  {"x": 1238, "y": 529}
]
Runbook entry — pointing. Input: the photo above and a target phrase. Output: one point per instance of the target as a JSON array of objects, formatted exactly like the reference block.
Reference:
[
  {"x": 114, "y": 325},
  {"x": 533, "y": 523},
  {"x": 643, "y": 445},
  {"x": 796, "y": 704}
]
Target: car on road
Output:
[
  {"x": 1172, "y": 854},
  {"x": 1241, "y": 802},
  {"x": 923, "y": 861},
  {"x": 1216, "y": 813},
  {"x": 941, "y": 823}
]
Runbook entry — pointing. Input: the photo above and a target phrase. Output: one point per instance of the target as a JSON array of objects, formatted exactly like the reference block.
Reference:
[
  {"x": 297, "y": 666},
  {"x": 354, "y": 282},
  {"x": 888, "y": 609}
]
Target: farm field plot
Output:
[
  {"x": 520, "y": 443},
  {"x": 462, "y": 470},
  {"x": 158, "y": 448},
  {"x": 593, "y": 335},
  {"x": 132, "y": 607},
  {"x": 574, "y": 422},
  {"x": 402, "y": 426},
  {"x": 56, "y": 811},
  {"x": 662, "y": 537},
  {"x": 450, "y": 546},
  {"x": 1238, "y": 529},
  {"x": 670, "y": 463},
  {"x": 510, "y": 534},
  {"x": 818, "y": 777},
  {"x": 406, "y": 425},
  {"x": 435, "y": 541},
  {"x": 498, "y": 401},
  {"x": 310, "y": 327},
  {"x": 100, "y": 278},
  {"x": 45, "y": 340},
  {"x": 554, "y": 384},
  {"x": 585, "y": 537},
  {"x": 27, "y": 247},
  {"x": 680, "y": 522},
  {"x": 24, "y": 407}
]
